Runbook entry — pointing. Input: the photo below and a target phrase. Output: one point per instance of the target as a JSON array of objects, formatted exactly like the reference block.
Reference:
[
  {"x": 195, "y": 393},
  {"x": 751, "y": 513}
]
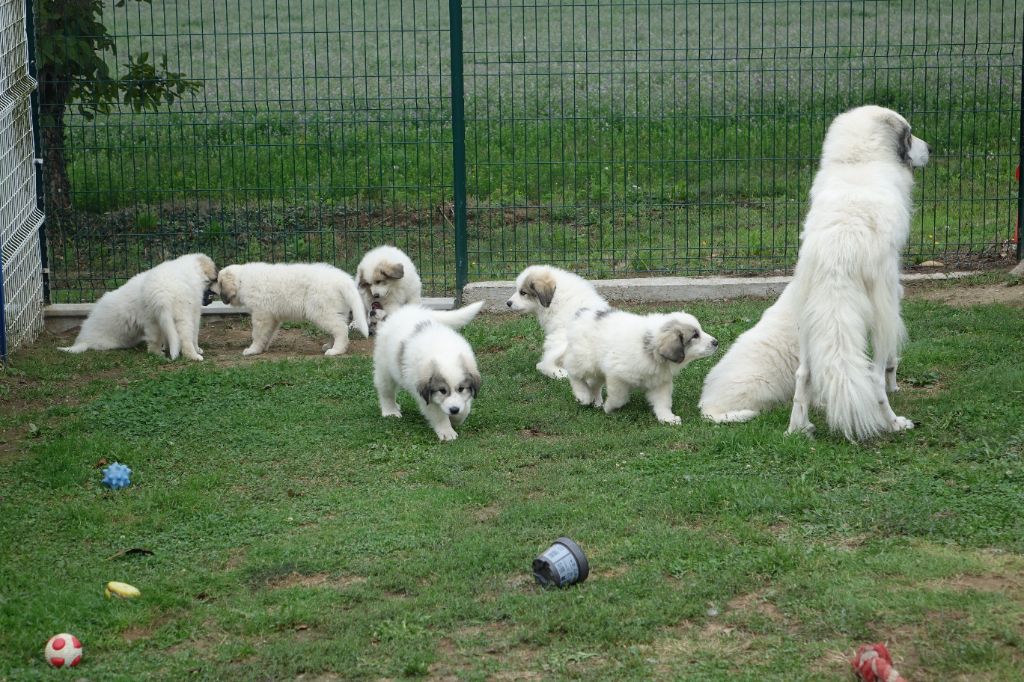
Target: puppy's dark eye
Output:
[
  {"x": 379, "y": 282},
  {"x": 522, "y": 292},
  {"x": 696, "y": 335},
  {"x": 443, "y": 391}
]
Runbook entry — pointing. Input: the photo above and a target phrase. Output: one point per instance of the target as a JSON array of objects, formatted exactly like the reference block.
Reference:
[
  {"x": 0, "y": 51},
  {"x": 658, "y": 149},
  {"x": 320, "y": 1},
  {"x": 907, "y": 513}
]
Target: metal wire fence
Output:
[
  {"x": 615, "y": 138},
  {"x": 21, "y": 280}
]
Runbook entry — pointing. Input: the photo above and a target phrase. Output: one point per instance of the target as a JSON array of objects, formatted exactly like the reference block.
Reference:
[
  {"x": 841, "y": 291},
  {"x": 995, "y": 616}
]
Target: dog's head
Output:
[
  {"x": 535, "y": 289},
  {"x": 378, "y": 279},
  {"x": 872, "y": 133},
  {"x": 680, "y": 340},
  {"x": 208, "y": 270},
  {"x": 454, "y": 390},
  {"x": 227, "y": 285}
]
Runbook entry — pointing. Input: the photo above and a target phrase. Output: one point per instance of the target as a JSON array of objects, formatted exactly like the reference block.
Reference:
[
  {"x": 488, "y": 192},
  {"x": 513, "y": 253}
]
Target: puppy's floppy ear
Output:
[
  {"x": 207, "y": 266},
  {"x": 543, "y": 287},
  {"x": 393, "y": 270},
  {"x": 227, "y": 283},
  {"x": 472, "y": 379},
  {"x": 671, "y": 340},
  {"x": 427, "y": 387}
]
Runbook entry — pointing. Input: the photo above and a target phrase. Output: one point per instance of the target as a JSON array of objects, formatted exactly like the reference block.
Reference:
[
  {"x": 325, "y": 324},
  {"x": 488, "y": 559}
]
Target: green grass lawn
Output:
[{"x": 296, "y": 532}]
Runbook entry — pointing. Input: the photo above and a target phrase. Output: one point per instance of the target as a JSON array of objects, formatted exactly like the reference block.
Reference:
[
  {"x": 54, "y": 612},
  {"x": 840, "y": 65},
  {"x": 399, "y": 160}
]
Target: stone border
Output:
[{"x": 673, "y": 289}]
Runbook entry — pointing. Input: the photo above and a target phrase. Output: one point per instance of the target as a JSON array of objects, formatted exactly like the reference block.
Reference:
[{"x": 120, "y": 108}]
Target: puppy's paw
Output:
[
  {"x": 331, "y": 352},
  {"x": 552, "y": 372},
  {"x": 446, "y": 433},
  {"x": 250, "y": 351},
  {"x": 200, "y": 350},
  {"x": 391, "y": 412},
  {"x": 673, "y": 419},
  {"x": 901, "y": 424}
]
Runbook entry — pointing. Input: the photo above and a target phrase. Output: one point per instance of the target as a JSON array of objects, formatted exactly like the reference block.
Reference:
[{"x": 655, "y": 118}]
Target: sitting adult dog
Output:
[
  {"x": 625, "y": 351},
  {"x": 556, "y": 296},
  {"x": 420, "y": 351},
  {"x": 161, "y": 306},
  {"x": 387, "y": 280},
  {"x": 811, "y": 345},
  {"x": 281, "y": 292}
]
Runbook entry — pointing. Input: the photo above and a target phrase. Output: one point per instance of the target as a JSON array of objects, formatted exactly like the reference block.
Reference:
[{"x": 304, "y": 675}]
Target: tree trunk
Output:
[{"x": 54, "y": 94}]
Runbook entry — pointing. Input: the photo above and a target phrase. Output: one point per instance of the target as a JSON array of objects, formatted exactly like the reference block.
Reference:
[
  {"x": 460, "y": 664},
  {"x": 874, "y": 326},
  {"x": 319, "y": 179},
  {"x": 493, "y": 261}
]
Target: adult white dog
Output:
[
  {"x": 556, "y": 296},
  {"x": 626, "y": 352},
  {"x": 281, "y": 292},
  {"x": 421, "y": 351},
  {"x": 161, "y": 306},
  {"x": 811, "y": 346},
  {"x": 387, "y": 280}
]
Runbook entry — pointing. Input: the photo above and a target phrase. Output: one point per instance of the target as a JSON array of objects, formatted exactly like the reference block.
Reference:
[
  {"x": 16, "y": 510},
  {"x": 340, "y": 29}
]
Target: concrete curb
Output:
[
  {"x": 61, "y": 317},
  {"x": 672, "y": 289}
]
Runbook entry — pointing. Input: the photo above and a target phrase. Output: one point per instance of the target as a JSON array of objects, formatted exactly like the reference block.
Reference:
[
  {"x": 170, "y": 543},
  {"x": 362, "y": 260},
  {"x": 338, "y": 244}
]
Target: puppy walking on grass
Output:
[
  {"x": 282, "y": 292},
  {"x": 556, "y": 296},
  {"x": 419, "y": 350},
  {"x": 627, "y": 352}
]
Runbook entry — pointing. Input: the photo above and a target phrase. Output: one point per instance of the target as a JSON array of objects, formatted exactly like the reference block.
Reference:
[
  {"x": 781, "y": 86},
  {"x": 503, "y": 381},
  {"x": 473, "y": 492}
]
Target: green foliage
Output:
[{"x": 71, "y": 45}]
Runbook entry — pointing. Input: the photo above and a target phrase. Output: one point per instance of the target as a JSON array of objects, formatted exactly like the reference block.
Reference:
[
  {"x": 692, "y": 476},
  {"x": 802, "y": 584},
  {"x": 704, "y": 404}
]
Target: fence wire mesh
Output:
[
  {"x": 615, "y": 138},
  {"x": 21, "y": 282}
]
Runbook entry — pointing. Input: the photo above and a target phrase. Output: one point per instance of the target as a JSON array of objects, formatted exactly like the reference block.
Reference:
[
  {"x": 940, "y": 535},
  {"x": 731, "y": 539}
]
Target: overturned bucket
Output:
[{"x": 561, "y": 565}]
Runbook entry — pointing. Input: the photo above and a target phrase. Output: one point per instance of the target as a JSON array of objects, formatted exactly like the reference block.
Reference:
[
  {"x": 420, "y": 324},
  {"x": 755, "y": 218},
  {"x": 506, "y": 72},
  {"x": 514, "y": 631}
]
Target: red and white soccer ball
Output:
[{"x": 63, "y": 651}]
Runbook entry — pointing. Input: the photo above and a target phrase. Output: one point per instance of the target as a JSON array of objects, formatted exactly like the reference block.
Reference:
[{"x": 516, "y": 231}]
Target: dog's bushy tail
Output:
[
  {"x": 80, "y": 347},
  {"x": 350, "y": 294},
  {"x": 457, "y": 319},
  {"x": 170, "y": 332},
  {"x": 833, "y": 335}
]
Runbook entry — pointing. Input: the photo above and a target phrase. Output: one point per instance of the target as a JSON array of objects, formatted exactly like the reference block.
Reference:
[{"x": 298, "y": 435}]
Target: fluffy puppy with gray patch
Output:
[
  {"x": 296, "y": 292},
  {"x": 556, "y": 296},
  {"x": 161, "y": 306},
  {"x": 626, "y": 352},
  {"x": 420, "y": 351},
  {"x": 387, "y": 280}
]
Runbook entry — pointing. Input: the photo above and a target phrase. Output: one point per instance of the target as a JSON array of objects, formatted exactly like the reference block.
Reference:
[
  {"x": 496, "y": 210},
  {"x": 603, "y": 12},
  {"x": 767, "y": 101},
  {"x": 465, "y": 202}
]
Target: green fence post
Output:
[{"x": 458, "y": 149}]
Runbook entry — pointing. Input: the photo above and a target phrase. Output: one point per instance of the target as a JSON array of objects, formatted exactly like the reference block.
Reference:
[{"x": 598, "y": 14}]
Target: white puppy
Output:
[
  {"x": 387, "y": 280},
  {"x": 556, "y": 296},
  {"x": 160, "y": 306},
  {"x": 419, "y": 350},
  {"x": 627, "y": 352},
  {"x": 846, "y": 287},
  {"x": 757, "y": 372},
  {"x": 847, "y": 281},
  {"x": 280, "y": 292}
]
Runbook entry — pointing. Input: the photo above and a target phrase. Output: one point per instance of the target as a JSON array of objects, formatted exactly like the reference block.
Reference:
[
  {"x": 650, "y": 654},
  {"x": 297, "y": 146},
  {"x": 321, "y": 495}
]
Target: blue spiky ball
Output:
[{"x": 116, "y": 476}]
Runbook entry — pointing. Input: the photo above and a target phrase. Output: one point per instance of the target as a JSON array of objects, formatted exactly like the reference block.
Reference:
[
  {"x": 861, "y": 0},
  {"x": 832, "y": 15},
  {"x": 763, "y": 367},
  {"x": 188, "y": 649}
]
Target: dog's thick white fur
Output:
[
  {"x": 847, "y": 278},
  {"x": 420, "y": 351},
  {"x": 758, "y": 371},
  {"x": 161, "y": 306},
  {"x": 811, "y": 345},
  {"x": 387, "y": 281},
  {"x": 281, "y": 292},
  {"x": 556, "y": 296},
  {"x": 626, "y": 352}
]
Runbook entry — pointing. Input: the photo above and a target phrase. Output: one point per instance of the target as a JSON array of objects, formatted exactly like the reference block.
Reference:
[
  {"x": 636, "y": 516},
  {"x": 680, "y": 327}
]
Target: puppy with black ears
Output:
[
  {"x": 556, "y": 296},
  {"x": 421, "y": 351},
  {"x": 627, "y": 352},
  {"x": 387, "y": 280}
]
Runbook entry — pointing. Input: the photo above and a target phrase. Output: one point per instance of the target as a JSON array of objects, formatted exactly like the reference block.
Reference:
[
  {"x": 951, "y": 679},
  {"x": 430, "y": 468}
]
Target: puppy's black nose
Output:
[
  {"x": 929, "y": 147},
  {"x": 509, "y": 303},
  {"x": 453, "y": 409},
  {"x": 714, "y": 344}
]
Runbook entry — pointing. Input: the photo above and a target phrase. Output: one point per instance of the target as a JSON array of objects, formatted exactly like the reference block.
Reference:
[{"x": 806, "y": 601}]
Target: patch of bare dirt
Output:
[
  {"x": 223, "y": 342},
  {"x": 758, "y": 603},
  {"x": 967, "y": 296},
  {"x": 495, "y": 642},
  {"x": 313, "y": 580},
  {"x": 485, "y": 514},
  {"x": 688, "y": 642},
  {"x": 1011, "y": 586},
  {"x": 533, "y": 432},
  {"x": 137, "y": 632}
]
